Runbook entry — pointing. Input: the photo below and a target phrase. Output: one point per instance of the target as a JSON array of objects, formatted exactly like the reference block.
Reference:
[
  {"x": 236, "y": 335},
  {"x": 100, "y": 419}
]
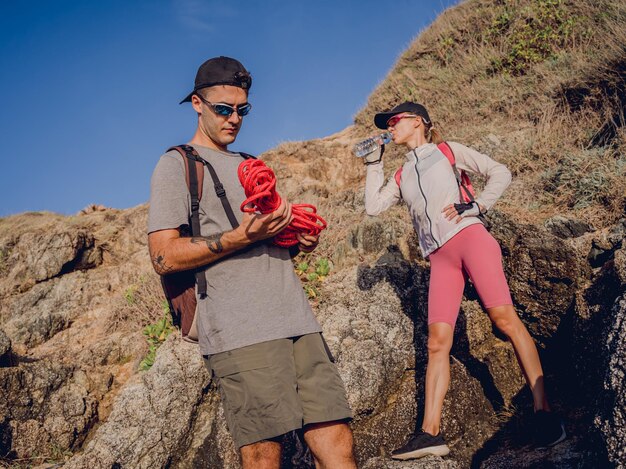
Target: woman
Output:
[{"x": 454, "y": 239}]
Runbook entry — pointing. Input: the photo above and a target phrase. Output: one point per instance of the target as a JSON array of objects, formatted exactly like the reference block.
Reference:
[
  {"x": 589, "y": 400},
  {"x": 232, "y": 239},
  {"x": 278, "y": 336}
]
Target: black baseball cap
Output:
[
  {"x": 220, "y": 71},
  {"x": 381, "y": 118}
]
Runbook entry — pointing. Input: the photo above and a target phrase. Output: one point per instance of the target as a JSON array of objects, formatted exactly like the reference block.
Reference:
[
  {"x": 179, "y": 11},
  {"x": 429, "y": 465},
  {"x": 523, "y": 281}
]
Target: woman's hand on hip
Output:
[{"x": 457, "y": 212}]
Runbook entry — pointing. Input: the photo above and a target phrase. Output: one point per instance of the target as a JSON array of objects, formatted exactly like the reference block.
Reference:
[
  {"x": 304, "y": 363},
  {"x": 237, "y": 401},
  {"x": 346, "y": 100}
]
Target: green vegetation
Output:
[
  {"x": 445, "y": 47},
  {"x": 532, "y": 34},
  {"x": 312, "y": 275},
  {"x": 129, "y": 294},
  {"x": 155, "y": 335}
]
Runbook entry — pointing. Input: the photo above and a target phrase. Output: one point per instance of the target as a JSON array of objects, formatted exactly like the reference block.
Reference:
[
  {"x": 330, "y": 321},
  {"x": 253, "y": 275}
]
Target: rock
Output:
[
  {"x": 42, "y": 407},
  {"x": 612, "y": 419},
  {"x": 5, "y": 348},
  {"x": 390, "y": 426},
  {"x": 374, "y": 234},
  {"x": 543, "y": 274},
  {"x": 92, "y": 208},
  {"x": 370, "y": 325},
  {"x": 466, "y": 427},
  {"x": 620, "y": 264},
  {"x": 427, "y": 462},
  {"x": 618, "y": 233},
  {"x": 564, "y": 227},
  {"x": 598, "y": 255},
  {"x": 565, "y": 455},
  {"x": 151, "y": 417},
  {"x": 49, "y": 307},
  {"x": 603, "y": 247},
  {"x": 49, "y": 254},
  {"x": 494, "y": 140}
]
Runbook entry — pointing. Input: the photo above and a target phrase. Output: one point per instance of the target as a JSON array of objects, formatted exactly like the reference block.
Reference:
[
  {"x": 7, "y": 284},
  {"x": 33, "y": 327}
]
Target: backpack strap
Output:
[
  {"x": 194, "y": 176},
  {"x": 461, "y": 178},
  {"x": 247, "y": 156},
  {"x": 398, "y": 176}
]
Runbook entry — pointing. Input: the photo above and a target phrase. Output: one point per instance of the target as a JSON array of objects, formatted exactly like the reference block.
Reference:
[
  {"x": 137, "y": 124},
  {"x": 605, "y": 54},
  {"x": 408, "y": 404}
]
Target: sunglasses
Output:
[
  {"x": 226, "y": 110},
  {"x": 395, "y": 119}
]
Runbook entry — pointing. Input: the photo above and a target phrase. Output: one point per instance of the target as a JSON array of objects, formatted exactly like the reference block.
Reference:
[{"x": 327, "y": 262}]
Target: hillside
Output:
[{"x": 537, "y": 84}]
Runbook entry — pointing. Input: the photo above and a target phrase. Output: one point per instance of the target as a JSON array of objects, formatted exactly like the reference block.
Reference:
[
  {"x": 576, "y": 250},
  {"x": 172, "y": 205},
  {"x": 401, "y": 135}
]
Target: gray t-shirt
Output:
[{"x": 253, "y": 295}]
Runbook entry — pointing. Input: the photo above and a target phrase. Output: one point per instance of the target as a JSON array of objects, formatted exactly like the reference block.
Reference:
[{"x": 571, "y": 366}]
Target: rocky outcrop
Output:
[
  {"x": 542, "y": 272},
  {"x": 612, "y": 420},
  {"x": 5, "y": 349},
  {"x": 151, "y": 418},
  {"x": 43, "y": 255},
  {"x": 428, "y": 462},
  {"x": 59, "y": 300},
  {"x": 566, "y": 228},
  {"x": 72, "y": 377}
]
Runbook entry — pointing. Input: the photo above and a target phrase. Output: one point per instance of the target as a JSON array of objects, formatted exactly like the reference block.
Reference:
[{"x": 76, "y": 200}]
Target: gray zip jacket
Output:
[{"x": 428, "y": 184}]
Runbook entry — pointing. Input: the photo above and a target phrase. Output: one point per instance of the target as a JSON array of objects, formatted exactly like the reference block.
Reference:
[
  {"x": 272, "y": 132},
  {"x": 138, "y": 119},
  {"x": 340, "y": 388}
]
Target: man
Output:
[{"x": 257, "y": 333}]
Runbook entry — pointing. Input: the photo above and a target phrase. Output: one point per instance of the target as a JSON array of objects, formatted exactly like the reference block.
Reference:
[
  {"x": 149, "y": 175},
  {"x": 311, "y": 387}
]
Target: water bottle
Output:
[{"x": 368, "y": 145}]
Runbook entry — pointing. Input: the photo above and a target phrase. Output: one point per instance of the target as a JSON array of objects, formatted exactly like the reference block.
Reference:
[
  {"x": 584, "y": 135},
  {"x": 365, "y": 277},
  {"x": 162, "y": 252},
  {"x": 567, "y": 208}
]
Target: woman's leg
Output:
[
  {"x": 437, "y": 374},
  {"x": 506, "y": 319},
  {"x": 483, "y": 262},
  {"x": 445, "y": 291}
]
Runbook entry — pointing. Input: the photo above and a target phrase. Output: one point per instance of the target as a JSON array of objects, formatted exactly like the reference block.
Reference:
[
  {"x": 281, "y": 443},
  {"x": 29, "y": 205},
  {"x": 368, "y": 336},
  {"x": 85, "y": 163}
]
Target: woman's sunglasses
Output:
[
  {"x": 395, "y": 119},
  {"x": 225, "y": 109}
]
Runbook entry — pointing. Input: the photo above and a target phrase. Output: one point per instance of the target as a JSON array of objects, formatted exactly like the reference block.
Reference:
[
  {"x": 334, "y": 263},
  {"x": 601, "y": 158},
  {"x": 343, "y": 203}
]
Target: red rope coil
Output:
[{"x": 259, "y": 184}]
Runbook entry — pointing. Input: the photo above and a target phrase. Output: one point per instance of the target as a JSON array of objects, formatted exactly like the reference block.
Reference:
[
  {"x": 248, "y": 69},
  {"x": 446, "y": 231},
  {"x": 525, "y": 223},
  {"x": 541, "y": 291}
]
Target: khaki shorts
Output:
[{"x": 274, "y": 387}]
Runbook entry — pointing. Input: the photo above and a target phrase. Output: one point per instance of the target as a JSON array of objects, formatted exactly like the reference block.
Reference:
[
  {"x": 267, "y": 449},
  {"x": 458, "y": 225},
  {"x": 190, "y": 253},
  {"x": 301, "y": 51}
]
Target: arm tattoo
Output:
[
  {"x": 160, "y": 265},
  {"x": 213, "y": 242}
]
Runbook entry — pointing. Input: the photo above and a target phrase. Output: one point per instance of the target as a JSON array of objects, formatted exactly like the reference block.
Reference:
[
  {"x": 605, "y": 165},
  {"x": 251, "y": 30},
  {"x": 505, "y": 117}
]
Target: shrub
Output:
[
  {"x": 155, "y": 335},
  {"x": 591, "y": 177},
  {"x": 532, "y": 34},
  {"x": 312, "y": 274}
]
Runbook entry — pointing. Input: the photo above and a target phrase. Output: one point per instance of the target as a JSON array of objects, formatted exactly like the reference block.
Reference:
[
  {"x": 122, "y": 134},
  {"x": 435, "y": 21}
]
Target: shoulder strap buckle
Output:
[{"x": 219, "y": 190}]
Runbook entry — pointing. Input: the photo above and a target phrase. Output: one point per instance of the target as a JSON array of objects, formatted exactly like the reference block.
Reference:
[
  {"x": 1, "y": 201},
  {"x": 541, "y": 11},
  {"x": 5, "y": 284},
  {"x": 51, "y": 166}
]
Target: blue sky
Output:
[{"x": 90, "y": 89}]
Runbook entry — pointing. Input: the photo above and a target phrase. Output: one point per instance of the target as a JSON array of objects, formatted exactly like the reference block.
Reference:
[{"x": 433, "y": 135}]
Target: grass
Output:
[
  {"x": 142, "y": 303},
  {"x": 5, "y": 252},
  {"x": 547, "y": 77},
  {"x": 54, "y": 455}
]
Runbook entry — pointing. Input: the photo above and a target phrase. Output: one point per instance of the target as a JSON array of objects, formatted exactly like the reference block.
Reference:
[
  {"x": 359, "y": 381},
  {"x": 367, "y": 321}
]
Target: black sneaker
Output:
[
  {"x": 549, "y": 429},
  {"x": 421, "y": 444}
]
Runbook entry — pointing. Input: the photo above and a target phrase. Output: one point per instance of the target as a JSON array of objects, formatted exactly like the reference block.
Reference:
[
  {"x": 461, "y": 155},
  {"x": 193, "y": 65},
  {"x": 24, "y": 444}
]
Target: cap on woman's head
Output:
[
  {"x": 381, "y": 118},
  {"x": 220, "y": 71}
]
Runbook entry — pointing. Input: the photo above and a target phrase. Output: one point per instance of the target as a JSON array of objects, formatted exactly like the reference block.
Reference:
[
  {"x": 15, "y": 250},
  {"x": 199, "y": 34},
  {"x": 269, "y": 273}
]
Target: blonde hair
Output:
[{"x": 431, "y": 133}]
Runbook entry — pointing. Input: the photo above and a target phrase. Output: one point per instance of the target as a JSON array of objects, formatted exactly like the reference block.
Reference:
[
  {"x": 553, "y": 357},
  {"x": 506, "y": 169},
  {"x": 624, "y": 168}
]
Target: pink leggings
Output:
[{"x": 472, "y": 252}]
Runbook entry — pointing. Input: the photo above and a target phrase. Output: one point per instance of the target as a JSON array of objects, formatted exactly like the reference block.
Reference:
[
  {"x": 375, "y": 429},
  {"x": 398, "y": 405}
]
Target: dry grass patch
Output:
[
  {"x": 142, "y": 303},
  {"x": 547, "y": 78}
]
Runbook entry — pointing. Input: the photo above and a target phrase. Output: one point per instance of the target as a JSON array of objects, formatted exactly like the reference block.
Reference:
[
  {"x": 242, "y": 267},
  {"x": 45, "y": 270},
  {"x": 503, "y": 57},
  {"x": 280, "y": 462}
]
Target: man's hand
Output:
[
  {"x": 307, "y": 243},
  {"x": 256, "y": 227},
  {"x": 457, "y": 212}
]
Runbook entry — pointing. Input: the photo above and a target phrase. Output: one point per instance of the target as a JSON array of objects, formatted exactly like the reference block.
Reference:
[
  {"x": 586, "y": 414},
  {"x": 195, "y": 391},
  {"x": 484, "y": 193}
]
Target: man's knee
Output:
[
  {"x": 331, "y": 443},
  {"x": 262, "y": 455}
]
